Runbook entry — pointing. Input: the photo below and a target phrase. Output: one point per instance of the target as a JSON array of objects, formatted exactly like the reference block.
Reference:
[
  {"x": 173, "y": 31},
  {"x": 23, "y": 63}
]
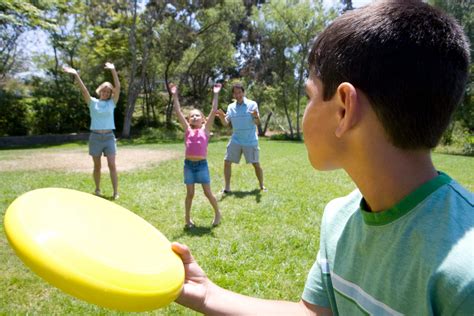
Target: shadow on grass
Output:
[
  {"x": 195, "y": 231},
  {"x": 242, "y": 194}
]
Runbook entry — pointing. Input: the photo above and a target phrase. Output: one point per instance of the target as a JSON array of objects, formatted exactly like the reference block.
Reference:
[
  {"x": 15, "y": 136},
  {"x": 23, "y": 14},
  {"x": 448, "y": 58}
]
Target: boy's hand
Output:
[
  {"x": 217, "y": 88},
  {"x": 254, "y": 113},
  {"x": 109, "y": 66},
  {"x": 196, "y": 283},
  {"x": 70, "y": 70},
  {"x": 173, "y": 88}
]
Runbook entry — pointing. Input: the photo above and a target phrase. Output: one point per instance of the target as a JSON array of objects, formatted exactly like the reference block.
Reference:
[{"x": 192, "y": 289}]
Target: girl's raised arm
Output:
[
  {"x": 177, "y": 106},
  {"x": 210, "y": 119},
  {"x": 85, "y": 93},
  {"x": 116, "y": 81}
]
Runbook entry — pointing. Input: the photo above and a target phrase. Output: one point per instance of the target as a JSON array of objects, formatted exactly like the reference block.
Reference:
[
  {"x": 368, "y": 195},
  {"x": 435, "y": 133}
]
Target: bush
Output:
[
  {"x": 14, "y": 115},
  {"x": 461, "y": 141}
]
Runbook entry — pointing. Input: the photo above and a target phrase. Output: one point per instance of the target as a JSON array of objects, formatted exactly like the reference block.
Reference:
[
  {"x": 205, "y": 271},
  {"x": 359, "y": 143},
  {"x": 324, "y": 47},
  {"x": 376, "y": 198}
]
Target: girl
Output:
[
  {"x": 102, "y": 138},
  {"x": 197, "y": 132}
]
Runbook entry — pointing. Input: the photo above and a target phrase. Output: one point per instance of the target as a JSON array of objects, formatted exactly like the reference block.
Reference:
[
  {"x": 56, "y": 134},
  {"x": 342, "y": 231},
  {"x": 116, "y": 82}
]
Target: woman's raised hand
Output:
[
  {"x": 217, "y": 88},
  {"x": 173, "y": 88},
  {"x": 109, "y": 66},
  {"x": 70, "y": 70}
]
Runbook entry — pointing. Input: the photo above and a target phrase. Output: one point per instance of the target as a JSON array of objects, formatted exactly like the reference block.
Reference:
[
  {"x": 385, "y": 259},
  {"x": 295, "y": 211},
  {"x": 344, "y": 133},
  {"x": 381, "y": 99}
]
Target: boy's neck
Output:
[{"x": 387, "y": 177}]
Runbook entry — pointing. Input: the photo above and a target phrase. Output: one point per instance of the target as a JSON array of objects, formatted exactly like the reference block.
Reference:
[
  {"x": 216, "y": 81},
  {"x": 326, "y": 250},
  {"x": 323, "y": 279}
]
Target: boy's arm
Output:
[
  {"x": 202, "y": 295},
  {"x": 210, "y": 119},
  {"x": 177, "y": 107},
  {"x": 116, "y": 81},
  {"x": 85, "y": 93}
]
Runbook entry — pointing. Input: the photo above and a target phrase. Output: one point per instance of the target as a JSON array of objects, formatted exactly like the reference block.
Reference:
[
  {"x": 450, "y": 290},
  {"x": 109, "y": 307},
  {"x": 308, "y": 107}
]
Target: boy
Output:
[
  {"x": 243, "y": 116},
  {"x": 384, "y": 82}
]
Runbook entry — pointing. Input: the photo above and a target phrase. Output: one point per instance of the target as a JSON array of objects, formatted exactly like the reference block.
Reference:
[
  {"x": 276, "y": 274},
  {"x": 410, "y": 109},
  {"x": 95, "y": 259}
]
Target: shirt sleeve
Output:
[
  {"x": 315, "y": 291},
  {"x": 92, "y": 102},
  {"x": 255, "y": 107},
  {"x": 228, "y": 114}
]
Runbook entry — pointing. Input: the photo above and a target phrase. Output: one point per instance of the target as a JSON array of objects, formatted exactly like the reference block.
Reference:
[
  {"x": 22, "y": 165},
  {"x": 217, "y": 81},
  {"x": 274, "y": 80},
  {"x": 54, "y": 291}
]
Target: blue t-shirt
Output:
[
  {"x": 102, "y": 114},
  {"x": 416, "y": 258},
  {"x": 244, "y": 130}
]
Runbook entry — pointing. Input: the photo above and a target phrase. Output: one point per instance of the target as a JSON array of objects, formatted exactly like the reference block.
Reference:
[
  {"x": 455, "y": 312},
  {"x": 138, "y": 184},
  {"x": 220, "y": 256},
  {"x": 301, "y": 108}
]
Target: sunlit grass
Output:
[{"x": 264, "y": 247}]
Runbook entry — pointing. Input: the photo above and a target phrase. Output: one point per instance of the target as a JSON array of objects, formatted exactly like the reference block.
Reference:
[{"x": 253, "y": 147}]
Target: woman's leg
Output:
[
  {"x": 217, "y": 214},
  {"x": 96, "y": 173},
  {"x": 113, "y": 174},
  {"x": 187, "y": 204}
]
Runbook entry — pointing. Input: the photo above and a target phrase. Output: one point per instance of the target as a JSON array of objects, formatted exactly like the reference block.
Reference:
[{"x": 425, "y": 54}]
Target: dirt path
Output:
[{"x": 80, "y": 161}]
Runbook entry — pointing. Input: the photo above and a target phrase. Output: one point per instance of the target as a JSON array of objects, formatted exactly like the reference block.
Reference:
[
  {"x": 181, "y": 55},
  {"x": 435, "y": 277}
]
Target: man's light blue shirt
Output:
[
  {"x": 243, "y": 126},
  {"x": 102, "y": 114}
]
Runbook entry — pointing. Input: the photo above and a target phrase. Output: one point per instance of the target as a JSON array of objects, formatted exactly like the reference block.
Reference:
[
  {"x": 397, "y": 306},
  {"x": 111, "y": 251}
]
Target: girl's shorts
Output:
[
  {"x": 196, "y": 172},
  {"x": 102, "y": 143}
]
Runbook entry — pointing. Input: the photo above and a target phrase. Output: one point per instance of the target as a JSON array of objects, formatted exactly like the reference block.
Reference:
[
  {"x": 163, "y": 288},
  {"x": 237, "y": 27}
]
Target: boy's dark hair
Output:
[
  {"x": 238, "y": 85},
  {"x": 410, "y": 59}
]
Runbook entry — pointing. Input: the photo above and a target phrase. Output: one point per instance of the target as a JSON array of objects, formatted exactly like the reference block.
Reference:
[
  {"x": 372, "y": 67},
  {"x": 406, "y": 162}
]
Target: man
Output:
[{"x": 243, "y": 116}]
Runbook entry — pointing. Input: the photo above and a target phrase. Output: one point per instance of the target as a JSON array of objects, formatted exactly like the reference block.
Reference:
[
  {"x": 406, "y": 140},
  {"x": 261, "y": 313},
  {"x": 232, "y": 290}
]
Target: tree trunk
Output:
[
  {"x": 132, "y": 89},
  {"x": 298, "y": 100},
  {"x": 135, "y": 86},
  {"x": 267, "y": 120}
]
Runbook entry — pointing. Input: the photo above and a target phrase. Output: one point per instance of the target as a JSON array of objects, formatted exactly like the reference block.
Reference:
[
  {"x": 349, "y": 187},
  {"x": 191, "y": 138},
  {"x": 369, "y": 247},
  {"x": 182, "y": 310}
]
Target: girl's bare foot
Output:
[{"x": 217, "y": 219}]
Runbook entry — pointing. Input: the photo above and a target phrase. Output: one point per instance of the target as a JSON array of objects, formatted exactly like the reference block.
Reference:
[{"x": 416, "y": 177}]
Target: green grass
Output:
[{"x": 264, "y": 247}]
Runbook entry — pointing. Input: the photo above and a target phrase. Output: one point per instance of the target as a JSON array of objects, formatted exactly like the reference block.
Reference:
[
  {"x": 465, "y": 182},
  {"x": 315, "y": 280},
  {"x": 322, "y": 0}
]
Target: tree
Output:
[
  {"x": 289, "y": 29},
  {"x": 463, "y": 11},
  {"x": 17, "y": 17}
]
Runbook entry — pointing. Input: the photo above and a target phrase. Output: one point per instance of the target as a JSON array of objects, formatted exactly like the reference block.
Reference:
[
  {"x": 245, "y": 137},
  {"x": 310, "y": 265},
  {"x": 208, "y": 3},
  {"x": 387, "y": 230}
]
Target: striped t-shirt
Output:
[{"x": 416, "y": 258}]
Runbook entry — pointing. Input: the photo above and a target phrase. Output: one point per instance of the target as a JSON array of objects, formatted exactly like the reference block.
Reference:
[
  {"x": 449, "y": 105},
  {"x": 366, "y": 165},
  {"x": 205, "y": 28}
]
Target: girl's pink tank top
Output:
[{"x": 196, "y": 142}]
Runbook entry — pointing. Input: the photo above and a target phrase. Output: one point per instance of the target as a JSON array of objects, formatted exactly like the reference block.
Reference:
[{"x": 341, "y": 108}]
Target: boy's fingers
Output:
[{"x": 182, "y": 251}]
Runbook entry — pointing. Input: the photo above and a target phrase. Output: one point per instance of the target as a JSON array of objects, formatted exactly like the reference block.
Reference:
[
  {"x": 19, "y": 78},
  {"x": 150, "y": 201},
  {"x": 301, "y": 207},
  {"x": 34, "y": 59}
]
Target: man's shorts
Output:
[
  {"x": 196, "y": 172},
  {"x": 234, "y": 153},
  {"x": 102, "y": 143}
]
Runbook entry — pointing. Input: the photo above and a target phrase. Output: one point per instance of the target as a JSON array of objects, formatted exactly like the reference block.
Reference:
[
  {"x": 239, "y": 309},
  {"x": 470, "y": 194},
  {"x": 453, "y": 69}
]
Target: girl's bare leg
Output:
[
  {"x": 187, "y": 204},
  {"x": 217, "y": 214}
]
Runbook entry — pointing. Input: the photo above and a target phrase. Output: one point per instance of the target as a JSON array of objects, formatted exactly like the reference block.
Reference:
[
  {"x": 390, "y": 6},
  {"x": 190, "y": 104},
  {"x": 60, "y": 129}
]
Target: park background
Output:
[
  {"x": 194, "y": 44},
  {"x": 267, "y": 242}
]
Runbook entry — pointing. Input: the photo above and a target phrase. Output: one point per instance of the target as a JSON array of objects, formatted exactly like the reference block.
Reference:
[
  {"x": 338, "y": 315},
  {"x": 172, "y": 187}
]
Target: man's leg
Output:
[
  {"x": 259, "y": 174},
  {"x": 227, "y": 174}
]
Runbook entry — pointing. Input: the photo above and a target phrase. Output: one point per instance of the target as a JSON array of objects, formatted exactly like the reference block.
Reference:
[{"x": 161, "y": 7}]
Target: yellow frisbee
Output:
[{"x": 94, "y": 249}]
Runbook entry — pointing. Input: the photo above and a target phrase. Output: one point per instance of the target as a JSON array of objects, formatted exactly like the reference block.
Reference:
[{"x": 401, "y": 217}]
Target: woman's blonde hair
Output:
[{"x": 104, "y": 85}]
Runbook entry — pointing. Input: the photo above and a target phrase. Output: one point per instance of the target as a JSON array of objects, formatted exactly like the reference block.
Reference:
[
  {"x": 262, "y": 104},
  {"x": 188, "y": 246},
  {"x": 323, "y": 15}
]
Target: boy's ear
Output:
[{"x": 348, "y": 107}]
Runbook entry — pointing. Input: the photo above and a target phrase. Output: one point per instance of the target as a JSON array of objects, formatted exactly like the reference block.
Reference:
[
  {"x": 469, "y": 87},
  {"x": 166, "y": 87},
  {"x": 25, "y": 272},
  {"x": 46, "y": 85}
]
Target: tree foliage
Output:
[
  {"x": 263, "y": 43},
  {"x": 463, "y": 11}
]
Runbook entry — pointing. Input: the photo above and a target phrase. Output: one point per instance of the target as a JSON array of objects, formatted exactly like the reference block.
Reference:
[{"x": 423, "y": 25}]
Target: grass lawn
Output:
[{"x": 264, "y": 246}]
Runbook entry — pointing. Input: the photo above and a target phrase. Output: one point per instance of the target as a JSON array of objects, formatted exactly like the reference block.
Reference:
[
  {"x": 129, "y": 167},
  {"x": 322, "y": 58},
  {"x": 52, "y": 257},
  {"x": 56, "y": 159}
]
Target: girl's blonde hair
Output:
[
  {"x": 104, "y": 85},
  {"x": 204, "y": 118}
]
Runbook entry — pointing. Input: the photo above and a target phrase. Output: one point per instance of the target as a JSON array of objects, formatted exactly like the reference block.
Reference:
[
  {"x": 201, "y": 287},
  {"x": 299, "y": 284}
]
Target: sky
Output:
[{"x": 355, "y": 3}]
